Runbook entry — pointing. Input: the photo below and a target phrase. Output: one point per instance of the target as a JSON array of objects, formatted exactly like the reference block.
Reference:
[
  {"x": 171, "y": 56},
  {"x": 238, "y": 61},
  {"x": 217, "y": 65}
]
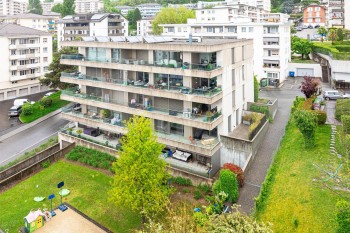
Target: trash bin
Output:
[
  {"x": 291, "y": 73},
  {"x": 263, "y": 82}
]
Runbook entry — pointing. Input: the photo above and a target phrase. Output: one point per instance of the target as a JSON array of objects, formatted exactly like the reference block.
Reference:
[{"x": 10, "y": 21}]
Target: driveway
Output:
[{"x": 330, "y": 109}]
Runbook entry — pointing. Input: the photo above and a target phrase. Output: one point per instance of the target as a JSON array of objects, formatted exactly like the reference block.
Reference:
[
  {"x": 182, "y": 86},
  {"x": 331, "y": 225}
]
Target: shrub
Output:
[
  {"x": 256, "y": 89},
  {"x": 182, "y": 181},
  {"x": 228, "y": 184},
  {"x": 306, "y": 122},
  {"x": 345, "y": 119},
  {"x": 260, "y": 109},
  {"x": 308, "y": 103},
  {"x": 256, "y": 118},
  {"x": 309, "y": 86},
  {"x": 342, "y": 108},
  {"x": 321, "y": 117},
  {"x": 299, "y": 101},
  {"x": 105, "y": 113},
  {"x": 237, "y": 170},
  {"x": 27, "y": 109},
  {"x": 45, "y": 164},
  {"x": 343, "y": 216},
  {"x": 197, "y": 194},
  {"x": 205, "y": 188},
  {"x": 45, "y": 102}
]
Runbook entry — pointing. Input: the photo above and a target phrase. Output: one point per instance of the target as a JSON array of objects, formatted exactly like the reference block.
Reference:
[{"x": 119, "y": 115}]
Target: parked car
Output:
[
  {"x": 304, "y": 26},
  {"x": 310, "y": 27},
  {"x": 346, "y": 96},
  {"x": 20, "y": 102},
  {"x": 15, "y": 111},
  {"x": 299, "y": 28},
  {"x": 332, "y": 95},
  {"x": 317, "y": 26},
  {"x": 49, "y": 93}
]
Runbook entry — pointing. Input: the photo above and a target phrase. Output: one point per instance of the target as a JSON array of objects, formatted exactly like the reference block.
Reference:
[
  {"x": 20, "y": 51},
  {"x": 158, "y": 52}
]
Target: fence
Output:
[{"x": 33, "y": 164}]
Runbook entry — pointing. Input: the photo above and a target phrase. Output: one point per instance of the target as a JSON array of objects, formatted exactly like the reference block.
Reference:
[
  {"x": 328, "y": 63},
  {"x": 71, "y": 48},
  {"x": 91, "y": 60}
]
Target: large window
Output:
[
  {"x": 96, "y": 53},
  {"x": 168, "y": 81}
]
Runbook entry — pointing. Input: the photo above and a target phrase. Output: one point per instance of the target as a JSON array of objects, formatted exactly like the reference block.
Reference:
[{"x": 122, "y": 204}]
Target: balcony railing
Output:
[
  {"x": 161, "y": 63},
  {"x": 207, "y": 143},
  {"x": 203, "y": 91}
]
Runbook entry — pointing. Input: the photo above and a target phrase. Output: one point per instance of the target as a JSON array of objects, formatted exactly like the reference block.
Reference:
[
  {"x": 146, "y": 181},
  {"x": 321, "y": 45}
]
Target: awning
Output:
[{"x": 271, "y": 39}]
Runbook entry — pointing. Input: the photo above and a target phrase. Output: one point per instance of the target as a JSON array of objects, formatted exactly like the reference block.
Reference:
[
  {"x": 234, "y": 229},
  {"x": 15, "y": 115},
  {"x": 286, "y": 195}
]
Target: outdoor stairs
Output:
[{"x": 332, "y": 144}]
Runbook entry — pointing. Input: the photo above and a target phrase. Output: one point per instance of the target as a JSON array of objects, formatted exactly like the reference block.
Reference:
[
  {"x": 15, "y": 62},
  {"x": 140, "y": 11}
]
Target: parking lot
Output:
[
  {"x": 307, "y": 33},
  {"x": 6, "y": 122}
]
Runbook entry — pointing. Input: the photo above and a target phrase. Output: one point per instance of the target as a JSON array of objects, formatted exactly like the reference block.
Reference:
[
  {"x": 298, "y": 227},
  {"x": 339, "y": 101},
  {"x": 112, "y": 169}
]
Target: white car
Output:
[
  {"x": 49, "y": 93},
  {"x": 346, "y": 96},
  {"x": 20, "y": 102}
]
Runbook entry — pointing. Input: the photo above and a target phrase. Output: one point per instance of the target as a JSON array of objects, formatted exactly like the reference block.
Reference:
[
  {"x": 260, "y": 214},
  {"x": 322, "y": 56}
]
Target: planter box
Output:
[{"x": 246, "y": 122}]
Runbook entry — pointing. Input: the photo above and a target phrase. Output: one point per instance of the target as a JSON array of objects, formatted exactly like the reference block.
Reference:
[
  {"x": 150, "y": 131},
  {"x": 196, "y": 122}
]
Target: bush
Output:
[
  {"x": 342, "y": 108},
  {"x": 182, "y": 181},
  {"x": 308, "y": 103},
  {"x": 45, "y": 164},
  {"x": 205, "y": 188},
  {"x": 345, "y": 119},
  {"x": 237, "y": 170},
  {"x": 256, "y": 89},
  {"x": 306, "y": 122},
  {"x": 343, "y": 216},
  {"x": 253, "y": 128},
  {"x": 197, "y": 194},
  {"x": 27, "y": 109},
  {"x": 260, "y": 109},
  {"x": 45, "y": 102},
  {"x": 105, "y": 113},
  {"x": 228, "y": 184},
  {"x": 297, "y": 103},
  {"x": 321, "y": 116}
]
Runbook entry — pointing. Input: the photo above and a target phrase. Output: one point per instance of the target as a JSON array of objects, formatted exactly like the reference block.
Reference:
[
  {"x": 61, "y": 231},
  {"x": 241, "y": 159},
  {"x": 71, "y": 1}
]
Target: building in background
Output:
[
  {"x": 271, "y": 34},
  {"x": 12, "y": 7},
  {"x": 144, "y": 27},
  {"x": 124, "y": 10},
  {"x": 103, "y": 24},
  {"x": 314, "y": 14},
  {"x": 25, "y": 57},
  {"x": 88, "y": 6},
  {"x": 193, "y": 92},
  {"x": 336, "y": 13},
  {"x": 148, "y": 10},
  {"x": 40, "y": 22}
]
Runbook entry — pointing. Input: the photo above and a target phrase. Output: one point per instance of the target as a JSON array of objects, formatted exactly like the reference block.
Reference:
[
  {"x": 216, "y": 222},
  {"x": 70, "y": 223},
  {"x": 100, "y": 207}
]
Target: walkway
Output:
[{"x": 257, "y": 171}]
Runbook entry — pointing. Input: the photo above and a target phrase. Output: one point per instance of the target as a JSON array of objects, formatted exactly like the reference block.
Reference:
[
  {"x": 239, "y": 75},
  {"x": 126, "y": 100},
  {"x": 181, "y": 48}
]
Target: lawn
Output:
[
  {"x": 297, "y": 199},
  {"x": 38, "y": 112},
  {"x": 342, "y": 108},
  {"x": 297, "y": 60},
  {"x": 88, "y": 194}
]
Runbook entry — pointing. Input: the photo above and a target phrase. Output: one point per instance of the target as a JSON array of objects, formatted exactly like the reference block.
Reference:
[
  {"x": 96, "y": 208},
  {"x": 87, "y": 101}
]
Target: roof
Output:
[
  {"x": 85, "y": 18},
  {"x": 9, "y": 29},
  {"x": 33, "y": 215},
  {"x": 24, "y": 16}
]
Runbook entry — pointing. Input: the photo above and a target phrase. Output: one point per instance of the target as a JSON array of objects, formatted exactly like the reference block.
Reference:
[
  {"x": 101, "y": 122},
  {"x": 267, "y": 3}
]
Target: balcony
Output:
[
  {"x": 206, "y": 146},
  {"x": 186, "y": 117}
]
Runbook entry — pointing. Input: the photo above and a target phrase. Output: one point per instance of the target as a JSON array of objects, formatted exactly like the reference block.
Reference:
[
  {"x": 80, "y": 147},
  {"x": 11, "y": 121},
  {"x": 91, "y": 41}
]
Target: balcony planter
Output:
[
  {"x": 79, "y": 132},
  {"x": 69, "y": 130},
  {"x": 209, "y": 116},
  {"x": 247, "y": 119}
]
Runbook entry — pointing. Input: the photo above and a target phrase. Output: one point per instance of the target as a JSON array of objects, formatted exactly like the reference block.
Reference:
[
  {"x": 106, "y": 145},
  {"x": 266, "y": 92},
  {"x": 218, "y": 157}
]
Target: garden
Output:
[
  {"x": 46, "y": 105},
  {"x": 339, "y": 50}
]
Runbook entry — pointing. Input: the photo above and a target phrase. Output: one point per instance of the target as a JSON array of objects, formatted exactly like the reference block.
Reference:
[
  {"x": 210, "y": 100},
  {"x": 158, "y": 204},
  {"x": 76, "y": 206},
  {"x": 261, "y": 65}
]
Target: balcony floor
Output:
[{"x": 241, "y": 132}]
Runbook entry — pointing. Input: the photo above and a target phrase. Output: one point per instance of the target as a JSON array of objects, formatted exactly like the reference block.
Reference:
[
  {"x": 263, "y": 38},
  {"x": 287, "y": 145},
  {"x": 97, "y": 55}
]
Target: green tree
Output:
[
  {"x": 301, "y": 46},
  {"x": 306, "y": 121},
  {"x": 340, "y": 34},
  {"x": 52, "y": 79},
  {"x": 227, "y": 183},
  {"x": 68, "y": 8},
  {"x": 323, "y": 32},
  {"x": 140, "y": 180},
  {"x": 57, "y": 8},
  {"x": 171, "y": 16},
  {"x": 256, "y": 89},
  {"x": 34, "y": 7},
  {"x": 137, "y": 15},
  {"x": 332, "y": 34},
  {"x": 292, "y": 30}
]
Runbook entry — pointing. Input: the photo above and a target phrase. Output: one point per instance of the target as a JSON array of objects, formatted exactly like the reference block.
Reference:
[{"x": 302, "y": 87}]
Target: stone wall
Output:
[{"x": 196, "y": 179}]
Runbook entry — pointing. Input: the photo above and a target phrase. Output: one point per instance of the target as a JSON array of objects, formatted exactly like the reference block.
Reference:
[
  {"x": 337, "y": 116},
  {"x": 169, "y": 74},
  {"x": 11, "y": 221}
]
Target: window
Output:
[
  {"x": 233, "y": 99},
  {"x": 243, "y": 71},
  {"x": 46, "y": 68},
  {"x": 244, "y": 29},
  {"x": 23, "y": 41},
  {"x": 251, "y": 29},
  {"x": 45, "y": 40},
  {"x": 232, "y": 29},
  {"x": 13, "y": 62},
  {"x": 22, "y": 72},
  {"x": 45, "y": 59},
  {"x": 202, "y": 12},
  {"x": 171, "y": 29},
  {"x": 233, "y": 55},
  {"x": 221, "y": 29},
  {"x": 13, "y": 41},
  {"x": 209, "y": 29},
  {"x": 233, "y": 78},
  {"x": 179, "y": 29},
  {"x": 32, "y": 71},
  {"x": 14, "y": 72},
  {"x": 243, "y": 92},
  {"x": 45, "y": 49}
]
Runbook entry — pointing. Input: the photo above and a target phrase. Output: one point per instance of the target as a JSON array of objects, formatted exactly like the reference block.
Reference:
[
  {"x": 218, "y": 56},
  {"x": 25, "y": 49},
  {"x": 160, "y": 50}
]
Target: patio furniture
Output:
[
  {"x": 183, "y": 156},
  {"x": 172, "y": 113},
  {"x": 91, "y": 131},
  {"x": 187, "y": 113}
]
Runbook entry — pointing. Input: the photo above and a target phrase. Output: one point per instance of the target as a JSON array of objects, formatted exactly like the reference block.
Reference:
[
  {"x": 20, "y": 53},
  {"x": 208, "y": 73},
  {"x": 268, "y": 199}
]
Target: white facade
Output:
[
  {"x": 88, "y": 6},
  {"x": 338, "y": 13},
  {"x": 25, "y": 57},
  {"x": 144, "y": 27},
  {"x": 149, "y": 9},
  {"x": 40, "y": 22},
  {"x": 124, "y": 10},
  {"x": 347, "y": 15},
  {"x": 12, "y": 7},
  {"x": 105, "y": 24},
  {"x": 271, "y": 34}
]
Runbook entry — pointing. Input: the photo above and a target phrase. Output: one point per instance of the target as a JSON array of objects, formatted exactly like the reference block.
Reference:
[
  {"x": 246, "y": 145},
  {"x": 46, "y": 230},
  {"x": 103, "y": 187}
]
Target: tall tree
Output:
[
  {"x": 140, "y": 180},
  {"x": 171, "y": 16},
  {"x": 57, "y": 8},
  {"x": 52, "y": 79},
  {"x": 301, "y": 46},
  {"x": 68, "y": 8},
  {"x": 322, "y": 31},
  {"x": 340, "y": 34},
  {"x": 137, "y": 15},
  {"x": 332, "y": 34},
  {"x": 34, "y": 7}
]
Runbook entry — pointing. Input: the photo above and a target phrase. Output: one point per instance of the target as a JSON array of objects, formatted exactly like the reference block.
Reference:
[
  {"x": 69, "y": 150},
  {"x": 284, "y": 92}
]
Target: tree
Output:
[
  {"x": 292, "y": 30},
  {"x": 301, "y": 46},
  {"x": 137, "y": 15},
  {"x": 256, "y": 89},
  {"x": 322, "y": 31},
  {"x": 68, "y": 8},
  {"x": 52, "y": 79},
  {"x": 309, "y": 86},
  {"x": 340, "y": 34},
  {"x": 227, "y": 183},
  {"x": 57, "y": 8},
  {"x": 140, "y": 180},
  {"x": 34, "y": 7},
  {"x": 306, "y": 122},
  {"x": 171, "y": 16},
  {"x": 332, "y": 34}
]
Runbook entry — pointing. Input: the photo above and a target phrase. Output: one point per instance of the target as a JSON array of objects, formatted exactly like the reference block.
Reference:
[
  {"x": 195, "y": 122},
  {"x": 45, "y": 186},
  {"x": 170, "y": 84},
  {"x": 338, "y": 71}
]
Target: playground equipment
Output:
[
  {"x": 62, "y": 192},
  {"x": 34, "y": 220},
  {"x": 52, "y": 196}
]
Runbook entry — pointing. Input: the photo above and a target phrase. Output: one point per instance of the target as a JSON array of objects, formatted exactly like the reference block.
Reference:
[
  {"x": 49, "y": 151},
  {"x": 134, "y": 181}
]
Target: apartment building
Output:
[
  {"x": 103, "y": 24},
  {"x": 40, "y": 22},
  {"x": 25, "y": 56},
  {"x": 270, "y": 32},
  {"x": 12, "y": 7},
  {"x": 193, "y": 92},
  {"x": 147, "y": 10},
  {"x": 263, "y": 5},
  {"x": 337, "y": 13},
  {"x": 144, "y": 27},
  {"x": 88, "y": 6},
  {"x": 314, "y": 14}
]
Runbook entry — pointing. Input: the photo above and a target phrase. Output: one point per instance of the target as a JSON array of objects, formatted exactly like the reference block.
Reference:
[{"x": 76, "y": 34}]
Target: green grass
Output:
[
  {"x": 342, "y": 108},
  {"x": 88, "y": 194},
  {"x": 296, "y": 60},
  {"x": 295, "y": 198},
  {"x": 52, "y": 141},
  {"x": 38, "y": 111},
  {"x": 338, "y": 51}
]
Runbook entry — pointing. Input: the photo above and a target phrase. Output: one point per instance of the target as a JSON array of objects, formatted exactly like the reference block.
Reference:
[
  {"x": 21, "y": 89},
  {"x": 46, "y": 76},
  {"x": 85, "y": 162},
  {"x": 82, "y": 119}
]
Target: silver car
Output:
[{"x": 333, "y": 95}]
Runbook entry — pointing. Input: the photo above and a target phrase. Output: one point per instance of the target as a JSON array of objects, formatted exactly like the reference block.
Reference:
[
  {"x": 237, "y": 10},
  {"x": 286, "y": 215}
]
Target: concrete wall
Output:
[
  {"x": 316, "y": 67},
  {"x": 196, "y": 179}
]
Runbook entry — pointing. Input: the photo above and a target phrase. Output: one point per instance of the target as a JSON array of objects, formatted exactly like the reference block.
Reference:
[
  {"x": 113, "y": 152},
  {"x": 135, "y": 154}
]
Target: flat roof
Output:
[
  {"x": 9, "y": 29},
  {"x": 25, "y": 16}
]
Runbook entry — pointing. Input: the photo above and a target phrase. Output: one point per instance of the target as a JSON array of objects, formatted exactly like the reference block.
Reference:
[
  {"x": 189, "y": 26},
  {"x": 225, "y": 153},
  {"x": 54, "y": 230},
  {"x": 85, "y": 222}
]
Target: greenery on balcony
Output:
[{"x": 337, "y": 50}]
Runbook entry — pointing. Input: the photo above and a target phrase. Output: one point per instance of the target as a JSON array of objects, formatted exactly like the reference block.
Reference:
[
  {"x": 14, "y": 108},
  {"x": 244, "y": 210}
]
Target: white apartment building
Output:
[
  {"x": 337, "y": 13},
  {"x": 103, "y": 24},
  {"x": 124, "y": 10},
  {"x": 40, "y": 22},
  {"x": 12, "y": 7},
  {"x": 144, "y": 27},
  {"x": 25, "y": 57},
  {"x": 88, "y": 6},
  {"x": 270, "y": 32},
  {"x": 193, "y": 92},
  {"x": 47, "y": 6},
  {"x": 148, "y": 10}
]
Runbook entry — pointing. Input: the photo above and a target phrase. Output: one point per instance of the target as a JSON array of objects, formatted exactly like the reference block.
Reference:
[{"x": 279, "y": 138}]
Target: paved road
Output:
[
  {"x": 18, "y": 144},
  {"x": 307, "y": 33}
]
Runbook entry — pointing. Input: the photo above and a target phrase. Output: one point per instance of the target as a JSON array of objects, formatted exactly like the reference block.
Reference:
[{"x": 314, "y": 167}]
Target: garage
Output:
[
  {"x": 23, "y": 91},
  {"x": 34, "y": 90},
  {"x": 301, "y": 72},
  {"x": 11, "y": 94}
]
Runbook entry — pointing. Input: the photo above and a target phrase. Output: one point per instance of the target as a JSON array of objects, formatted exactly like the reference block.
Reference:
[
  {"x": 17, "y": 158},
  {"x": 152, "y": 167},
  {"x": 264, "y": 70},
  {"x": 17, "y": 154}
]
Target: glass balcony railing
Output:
[
  {"x": 201, "y": 91},
  {"x": 186, "y": 113},
  {"x": 207, "y": 143},
  {"x": 169, "y": 64}
]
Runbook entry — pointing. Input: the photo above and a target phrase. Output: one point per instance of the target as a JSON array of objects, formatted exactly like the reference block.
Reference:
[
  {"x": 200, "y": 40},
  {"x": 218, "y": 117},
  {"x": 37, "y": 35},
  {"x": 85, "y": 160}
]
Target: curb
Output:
[{"x": 25, "y": 127}]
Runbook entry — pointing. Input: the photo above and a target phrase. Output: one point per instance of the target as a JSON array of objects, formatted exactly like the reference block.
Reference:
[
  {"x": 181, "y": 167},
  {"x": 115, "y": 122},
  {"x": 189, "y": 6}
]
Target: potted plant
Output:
[
  {"x": 209, "y": 116},
  {"x": 247, "y": 119},
  {"x": 105, "y": 113},
  {"x": 69, "y": 130},
  {"x": 79, "y": 132}
]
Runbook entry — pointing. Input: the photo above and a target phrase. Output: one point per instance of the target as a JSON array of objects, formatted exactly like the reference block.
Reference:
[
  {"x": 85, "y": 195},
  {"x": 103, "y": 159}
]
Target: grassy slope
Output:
[
  {"x": 88, "y": 194},
  {"x": 295, "y": 202},
  {"x": 37, "y": 112}
]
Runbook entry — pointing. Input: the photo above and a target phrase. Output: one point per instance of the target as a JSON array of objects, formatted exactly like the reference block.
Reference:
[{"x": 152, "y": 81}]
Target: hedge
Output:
[
  {"x": 227, "y": 183},
  {"x": 342, "y": 48},
  {"x": 237, "y": 170},
  {"x": 342, "y": 108},
  {"x": 330, "y": 50},
  {"x": 260, "y": 109},
  {"x": 321, "y": 116},
  {"x": 343, "y": 216}
]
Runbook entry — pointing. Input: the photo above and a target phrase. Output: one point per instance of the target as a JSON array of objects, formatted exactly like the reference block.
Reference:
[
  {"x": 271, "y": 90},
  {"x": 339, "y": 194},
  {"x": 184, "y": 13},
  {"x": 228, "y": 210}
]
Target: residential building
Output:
[
  {"x": 47, "y": 6},
  {"x": 271, "y": 34},
  {"x": 336, "y": 13},
  {"x": 12, "y": 7},
  {"x": 314, "y": 14},
  {"x": 25, "y": 57},
  {"x": 144, "y": 27},
  {"x": 124, "y": 10},
  {"x": 193, "y": 92},
  {"x": 40, "y": 22},
  {"x": 148, "y": 10},
  {"x": 88, "y": 6},
  {"x": 103, "y": 24}
]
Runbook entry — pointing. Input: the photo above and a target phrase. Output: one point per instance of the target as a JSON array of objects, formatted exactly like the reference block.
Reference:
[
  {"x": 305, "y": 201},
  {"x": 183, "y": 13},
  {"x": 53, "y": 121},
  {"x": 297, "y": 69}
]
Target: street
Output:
[{"x": 18, "y": 144}]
